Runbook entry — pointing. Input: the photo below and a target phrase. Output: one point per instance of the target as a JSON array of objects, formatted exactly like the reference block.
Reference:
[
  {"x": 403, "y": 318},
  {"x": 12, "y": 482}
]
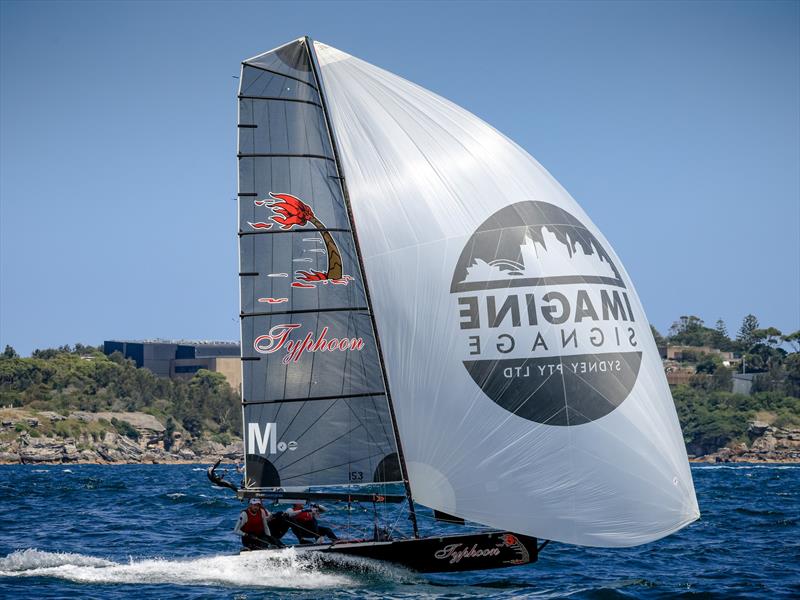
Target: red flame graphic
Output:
[
  {"x": 318, "y": 276},
  {"x": 297, "y": 284},
  {"x": 311, "y": 276},
  {"x": 273, "y": 300},
  {"x": 291, "y": 211},
  {"x": 259, "y": 225}
]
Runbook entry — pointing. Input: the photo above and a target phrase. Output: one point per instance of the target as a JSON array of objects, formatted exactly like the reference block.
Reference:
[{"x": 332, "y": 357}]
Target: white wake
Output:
[{"x": 275, "y": 569}]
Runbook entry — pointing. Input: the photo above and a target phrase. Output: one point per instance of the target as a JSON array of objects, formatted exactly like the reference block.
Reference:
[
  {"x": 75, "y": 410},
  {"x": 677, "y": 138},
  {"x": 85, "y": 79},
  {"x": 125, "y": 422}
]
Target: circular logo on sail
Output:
[{"x": 546, "y": 326}]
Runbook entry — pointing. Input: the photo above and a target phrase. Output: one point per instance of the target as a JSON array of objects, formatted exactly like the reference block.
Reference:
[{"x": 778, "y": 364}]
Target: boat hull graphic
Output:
[{"x": 440, "y": 554}]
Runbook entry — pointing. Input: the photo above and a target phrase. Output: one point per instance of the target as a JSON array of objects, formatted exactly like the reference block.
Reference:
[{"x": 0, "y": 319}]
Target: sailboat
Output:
[{"x": 425, "y": 309}]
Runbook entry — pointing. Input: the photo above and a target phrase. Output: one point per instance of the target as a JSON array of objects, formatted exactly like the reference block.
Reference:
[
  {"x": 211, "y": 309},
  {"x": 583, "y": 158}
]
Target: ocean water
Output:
[{"x": 162, "y": 531}]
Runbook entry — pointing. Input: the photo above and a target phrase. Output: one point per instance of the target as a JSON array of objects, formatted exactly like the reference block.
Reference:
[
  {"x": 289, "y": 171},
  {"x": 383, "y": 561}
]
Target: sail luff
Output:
[
  {"x": 343, "y": 182},
  {"x": 239, "y": 288}
]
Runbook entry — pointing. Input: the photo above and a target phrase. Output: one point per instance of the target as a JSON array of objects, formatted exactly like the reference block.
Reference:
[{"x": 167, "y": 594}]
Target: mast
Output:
[{"x": 401, "y": 458}]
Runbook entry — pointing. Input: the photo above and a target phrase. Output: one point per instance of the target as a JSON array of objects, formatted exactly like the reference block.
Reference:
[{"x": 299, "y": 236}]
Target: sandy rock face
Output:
[
  {"x": 42, "y": 450},
  {"x": 767, "y": 444},
  {"x": 103, "y": 447}
]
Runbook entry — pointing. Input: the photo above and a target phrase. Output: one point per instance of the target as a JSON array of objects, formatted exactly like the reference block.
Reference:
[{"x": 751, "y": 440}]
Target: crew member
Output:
[
  {"x": 306, "y": 525},
  {"x": 253, "y": 526}
]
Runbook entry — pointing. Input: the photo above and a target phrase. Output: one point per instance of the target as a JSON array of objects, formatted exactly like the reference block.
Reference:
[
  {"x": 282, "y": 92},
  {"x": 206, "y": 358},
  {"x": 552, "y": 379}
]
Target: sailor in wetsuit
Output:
[
  {"x": 305, "y": 524},
  {"x": 253, "y": 526}
]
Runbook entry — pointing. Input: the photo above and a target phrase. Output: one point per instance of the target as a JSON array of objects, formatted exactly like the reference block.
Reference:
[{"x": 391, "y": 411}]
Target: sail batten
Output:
[{"x": 313, "y": 398}]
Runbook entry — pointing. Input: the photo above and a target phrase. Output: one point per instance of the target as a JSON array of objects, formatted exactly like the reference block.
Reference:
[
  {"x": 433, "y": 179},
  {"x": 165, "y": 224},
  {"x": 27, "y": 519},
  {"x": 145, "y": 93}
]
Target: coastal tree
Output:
[
  {"x": 659, "y": 339},
  {"x": 745, "y": 335},
  {"x": 721, "y": 328},
  {"x": 169, "y": 432},
  {"x": 684, "y": 324},
  {"x": 193, "y": 425},
  {"x": 769, "y": 336},
  {"x": 719, "y": 338},
  {"x": 686, "y": 331},
  {"x": 792, "y": 366},
  {"x": 690, "y": 330},
  {"x": 125, "y": 428},
  {"x": 706, "y": 365}
]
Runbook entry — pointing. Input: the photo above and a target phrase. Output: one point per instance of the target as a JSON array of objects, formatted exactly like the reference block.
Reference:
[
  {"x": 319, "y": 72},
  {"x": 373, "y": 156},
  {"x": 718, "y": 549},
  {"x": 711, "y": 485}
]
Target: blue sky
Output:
[{"x": 675, "y": 125}]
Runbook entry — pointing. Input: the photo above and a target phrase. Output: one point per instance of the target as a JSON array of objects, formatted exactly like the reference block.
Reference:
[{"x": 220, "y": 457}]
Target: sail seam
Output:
[
  {"x": 333, "y": 467},
  {"x": 333, "y": 441}
]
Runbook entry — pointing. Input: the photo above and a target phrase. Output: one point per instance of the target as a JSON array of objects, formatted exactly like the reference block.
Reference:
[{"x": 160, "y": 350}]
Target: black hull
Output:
[{"x": 468, "y": 552}]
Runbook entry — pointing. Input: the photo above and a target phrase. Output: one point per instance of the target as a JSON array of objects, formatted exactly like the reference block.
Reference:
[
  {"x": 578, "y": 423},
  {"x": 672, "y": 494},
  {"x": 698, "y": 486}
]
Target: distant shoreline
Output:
[
  {"x": 135, "y": 438},
  {"x": 211, "y": 461}
]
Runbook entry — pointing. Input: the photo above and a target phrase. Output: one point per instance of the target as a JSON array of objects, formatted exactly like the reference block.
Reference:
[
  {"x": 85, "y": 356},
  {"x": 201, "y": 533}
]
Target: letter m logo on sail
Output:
[{"x": 255, "y": 439}]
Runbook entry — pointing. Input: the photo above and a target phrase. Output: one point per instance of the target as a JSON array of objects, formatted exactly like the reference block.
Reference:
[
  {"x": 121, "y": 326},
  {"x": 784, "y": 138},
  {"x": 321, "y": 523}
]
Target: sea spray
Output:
[{"x": 285, "y": 569}]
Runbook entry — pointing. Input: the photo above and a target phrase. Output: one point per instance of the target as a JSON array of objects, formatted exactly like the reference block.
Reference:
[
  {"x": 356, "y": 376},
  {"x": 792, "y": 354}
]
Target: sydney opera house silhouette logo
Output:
[
  {"x": 548, "y": 256},
  {"x": 529, "y": 244},
  {"x": 563, "y": 354}
]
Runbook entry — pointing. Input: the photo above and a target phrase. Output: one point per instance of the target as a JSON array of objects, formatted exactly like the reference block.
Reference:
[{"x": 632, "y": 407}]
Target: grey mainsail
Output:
[{"x": 315, "y": 407}]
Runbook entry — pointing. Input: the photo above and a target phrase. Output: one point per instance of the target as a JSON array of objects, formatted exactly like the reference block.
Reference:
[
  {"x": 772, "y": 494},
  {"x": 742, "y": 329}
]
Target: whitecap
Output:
[{"x": 745, "y": 467}]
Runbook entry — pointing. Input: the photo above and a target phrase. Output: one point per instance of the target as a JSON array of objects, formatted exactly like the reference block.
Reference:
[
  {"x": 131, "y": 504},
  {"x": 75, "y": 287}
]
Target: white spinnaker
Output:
[{"x": 423, "y": 174}]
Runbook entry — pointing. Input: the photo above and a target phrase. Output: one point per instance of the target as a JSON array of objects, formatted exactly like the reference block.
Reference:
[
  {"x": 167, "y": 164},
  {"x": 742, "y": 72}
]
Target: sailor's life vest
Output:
[
  {"x": 254, "y": 524},
  {"x": 304, "y": 516}
]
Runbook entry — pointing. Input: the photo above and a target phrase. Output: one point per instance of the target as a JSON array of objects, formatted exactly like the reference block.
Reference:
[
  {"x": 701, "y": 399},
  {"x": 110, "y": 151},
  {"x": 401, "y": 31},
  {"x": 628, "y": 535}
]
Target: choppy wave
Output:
[
  {"x": 746, "y": 467},
  {"x": 274, "y": 569},
  {"x": 183, "y": 545}
]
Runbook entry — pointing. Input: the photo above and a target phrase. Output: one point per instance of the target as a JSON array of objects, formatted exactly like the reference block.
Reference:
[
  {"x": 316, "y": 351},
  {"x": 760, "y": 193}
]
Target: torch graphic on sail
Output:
[{"x": 290, "y": 211}]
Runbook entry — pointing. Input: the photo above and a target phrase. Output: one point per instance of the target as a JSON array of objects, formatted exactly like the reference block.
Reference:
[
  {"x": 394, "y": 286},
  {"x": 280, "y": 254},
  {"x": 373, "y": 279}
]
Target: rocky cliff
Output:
[
  {"x": 30, "y": 437},
  {"x": 766, "y": 443},
  {"x": 81, "y": 437}
]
